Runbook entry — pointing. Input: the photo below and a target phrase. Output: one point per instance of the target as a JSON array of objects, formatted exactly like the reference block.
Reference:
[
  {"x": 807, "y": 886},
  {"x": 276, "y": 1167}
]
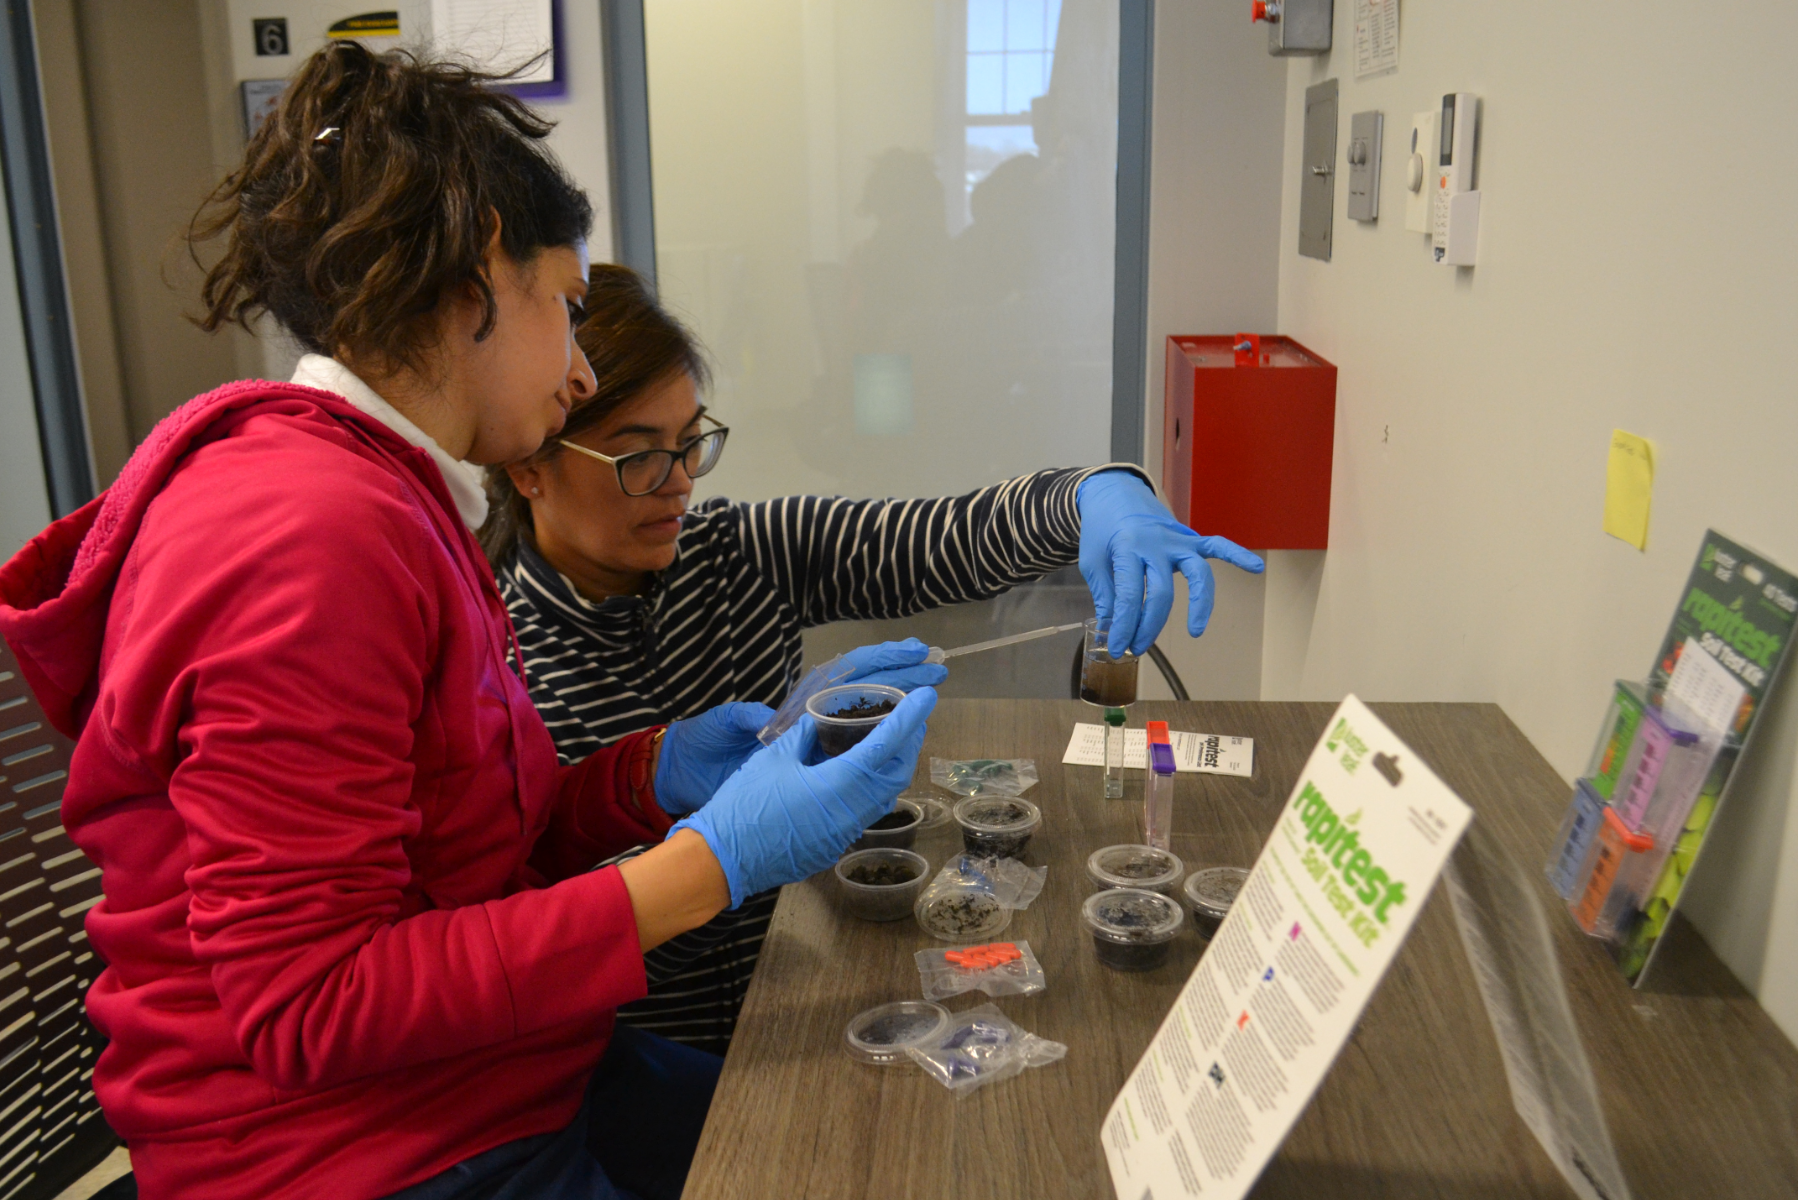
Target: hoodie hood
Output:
[{"x": 55, "y": 593}]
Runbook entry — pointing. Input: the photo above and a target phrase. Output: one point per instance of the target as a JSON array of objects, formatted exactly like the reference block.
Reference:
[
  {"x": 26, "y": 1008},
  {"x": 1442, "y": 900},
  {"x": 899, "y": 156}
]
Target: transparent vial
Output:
[{"x": 1115, "y": 753}]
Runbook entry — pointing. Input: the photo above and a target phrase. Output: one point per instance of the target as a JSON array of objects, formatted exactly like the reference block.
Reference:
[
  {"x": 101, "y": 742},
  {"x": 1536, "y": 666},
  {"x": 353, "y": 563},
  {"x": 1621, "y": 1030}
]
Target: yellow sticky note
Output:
[{"x": 1630, "y": 467}]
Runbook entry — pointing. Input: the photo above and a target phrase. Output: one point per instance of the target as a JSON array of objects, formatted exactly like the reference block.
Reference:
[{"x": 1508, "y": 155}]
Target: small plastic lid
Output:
[
  {"x": 1115, "y": 716},
  {"x": 883, "y": 854},
  {"x": 903, "y": 806},
  {"x": 1635, "y": 842},
  {"x": 824, "y": 705},
  {"x": 932, "y": 811},
  {"x": 1131, "y": 916},
  {"x": 1134, "y": 866},
  {"x": 997, "y": 814},
  {"x": 882, "y": 1034},
  {"x": 1157, "y": 731},
  {"x": 1215, "y": 889},
  {"x": 1162, "y": 758}
]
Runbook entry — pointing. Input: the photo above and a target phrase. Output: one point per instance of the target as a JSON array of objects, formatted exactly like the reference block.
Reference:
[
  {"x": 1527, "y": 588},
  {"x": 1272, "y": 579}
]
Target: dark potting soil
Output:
[
  {"x": 898, "y": 819},
  {"x": 959, "y": 916},
  {"x": 864, "y": 708},
  {"x": 1109, "y": 684},
  {"x": 1129, "y": 956},
  {"x": 882, "y": 874},
  {"x": 1136, "y": 920},
  {"x": 1143, "y": 867},
  {"x": 996, "y": 845}
]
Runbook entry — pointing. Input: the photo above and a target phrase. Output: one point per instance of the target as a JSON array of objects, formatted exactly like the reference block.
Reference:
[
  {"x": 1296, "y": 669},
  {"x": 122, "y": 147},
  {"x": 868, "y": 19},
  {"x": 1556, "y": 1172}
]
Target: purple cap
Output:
[{"x": 1162, "y": 758}]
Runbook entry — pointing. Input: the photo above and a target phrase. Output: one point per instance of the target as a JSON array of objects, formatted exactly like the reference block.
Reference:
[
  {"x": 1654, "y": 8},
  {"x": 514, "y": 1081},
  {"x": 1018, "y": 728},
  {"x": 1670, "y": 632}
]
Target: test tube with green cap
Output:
[{"x": 1115, "y": 753}]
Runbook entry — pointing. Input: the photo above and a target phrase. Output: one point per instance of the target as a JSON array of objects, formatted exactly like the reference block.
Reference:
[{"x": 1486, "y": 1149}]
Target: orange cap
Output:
[{"x": 1158, "y": 731}]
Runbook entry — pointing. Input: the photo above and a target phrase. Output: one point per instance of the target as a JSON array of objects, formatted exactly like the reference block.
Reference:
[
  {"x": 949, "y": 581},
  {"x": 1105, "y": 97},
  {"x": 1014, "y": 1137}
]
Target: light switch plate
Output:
[
  {"x": 1318, "y": 165},
  {"x": 1415, "y": 176},
  {"x": 1363, "y": 182}
]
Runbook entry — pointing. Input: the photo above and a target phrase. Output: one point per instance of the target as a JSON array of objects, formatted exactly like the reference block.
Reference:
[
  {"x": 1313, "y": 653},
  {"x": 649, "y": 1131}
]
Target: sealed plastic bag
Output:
[
  {"x": 984, "y": 776},
  {"x": 980, "y": 1047},
  {"x": 998, "y": 968},
  {"x": 972, "y": 899}
]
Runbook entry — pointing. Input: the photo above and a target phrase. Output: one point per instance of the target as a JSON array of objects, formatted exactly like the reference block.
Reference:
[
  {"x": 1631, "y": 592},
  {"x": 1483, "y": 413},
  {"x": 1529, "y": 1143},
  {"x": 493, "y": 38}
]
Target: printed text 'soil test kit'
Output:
[{"x": 1350, "y": 864}]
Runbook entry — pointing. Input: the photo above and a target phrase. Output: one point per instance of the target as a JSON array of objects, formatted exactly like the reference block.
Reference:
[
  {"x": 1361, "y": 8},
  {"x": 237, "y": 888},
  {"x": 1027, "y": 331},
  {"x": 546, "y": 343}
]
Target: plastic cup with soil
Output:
[
  {"x": 1132, "y": 928},
  {"x": 896, "y": 831},
  {"x": 997, "y": 826},
  {"x": 1210, "y": 893},
  {"x": 1143, "y": 867},
  {"x": 881, "y": 885},
  {"x": 845, "y": 714},
  {"x": 882, "y": 1034},
  {"x": 962, "y": 914},
  {"x": 1106, "y": 681}
]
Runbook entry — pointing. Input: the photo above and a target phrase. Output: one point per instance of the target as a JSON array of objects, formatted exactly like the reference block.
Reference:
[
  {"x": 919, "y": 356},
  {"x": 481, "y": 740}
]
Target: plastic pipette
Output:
[{"x": 938, "y": 654}]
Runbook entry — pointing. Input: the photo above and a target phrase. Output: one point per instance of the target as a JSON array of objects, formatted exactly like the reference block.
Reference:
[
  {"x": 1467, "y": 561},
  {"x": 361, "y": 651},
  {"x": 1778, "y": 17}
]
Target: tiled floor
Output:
[{"x": 115, "y": 1164}]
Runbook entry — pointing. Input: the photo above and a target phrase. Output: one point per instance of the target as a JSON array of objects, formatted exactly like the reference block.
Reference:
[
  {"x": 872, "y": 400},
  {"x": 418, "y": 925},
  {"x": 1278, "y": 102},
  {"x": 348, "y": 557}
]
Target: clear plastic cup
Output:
[
  {"x": 882, "y": 1034},
  {"x": 1143, "y": 867},
  {"x": 962, "y": 913},
  {"x": 1210, "y": 893},
  {"x": 882, "y": 885},
  {"x": 997, "y": 826},
  {"x": 1132, "y": 928},
  {"x": 845, "y": 714},
  {"x": 896, "y": 831}
]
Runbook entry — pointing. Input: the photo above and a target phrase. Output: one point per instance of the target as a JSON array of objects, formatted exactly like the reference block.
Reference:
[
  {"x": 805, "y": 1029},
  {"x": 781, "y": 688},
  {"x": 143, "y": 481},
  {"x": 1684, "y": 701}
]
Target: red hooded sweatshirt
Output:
[{"x": 326, "y": 814}]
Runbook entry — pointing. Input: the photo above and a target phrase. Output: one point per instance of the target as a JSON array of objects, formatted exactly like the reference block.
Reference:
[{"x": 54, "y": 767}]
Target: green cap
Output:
[{"x": 1115, "y": 716}]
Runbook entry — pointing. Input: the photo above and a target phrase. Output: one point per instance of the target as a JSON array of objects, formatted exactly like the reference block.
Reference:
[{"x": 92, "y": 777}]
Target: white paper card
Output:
[
  {"x": 1204, "y": 752},
  {"x": 1353, "y": 857},
  {"x": 1377, "y": 37},
  {"x": 1706, "y": 687},
  {"x": 497, "y": 34}
]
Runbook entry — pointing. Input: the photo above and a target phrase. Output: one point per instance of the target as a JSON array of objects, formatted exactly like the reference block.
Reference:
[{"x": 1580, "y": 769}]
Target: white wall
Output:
[
  {"x": 1216, "y": 130},
  {"x": 1637, "y": 269},
  {"x": 24, "y": 498}
]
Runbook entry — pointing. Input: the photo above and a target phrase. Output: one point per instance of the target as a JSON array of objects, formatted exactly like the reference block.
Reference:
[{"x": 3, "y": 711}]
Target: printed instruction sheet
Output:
[
  {"x": 1207, "y": 752},
  {"x": 1377, "y": 37},
  {"x": 1348, "y": 868}
]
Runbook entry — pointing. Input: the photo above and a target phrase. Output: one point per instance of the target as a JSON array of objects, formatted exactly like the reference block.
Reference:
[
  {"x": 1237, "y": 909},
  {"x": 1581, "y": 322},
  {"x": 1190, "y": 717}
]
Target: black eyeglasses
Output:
[{"x": 645, "y": 471}]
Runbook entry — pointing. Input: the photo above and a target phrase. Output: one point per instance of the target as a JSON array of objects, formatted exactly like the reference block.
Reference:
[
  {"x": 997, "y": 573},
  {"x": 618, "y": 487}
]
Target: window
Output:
[{"x": 1011, "y": 45}]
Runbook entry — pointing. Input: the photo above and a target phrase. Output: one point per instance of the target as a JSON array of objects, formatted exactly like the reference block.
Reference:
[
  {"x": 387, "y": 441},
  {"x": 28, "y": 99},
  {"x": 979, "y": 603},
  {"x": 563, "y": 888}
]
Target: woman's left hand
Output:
[
  {"x": 1131, "y": 547},
  {"x": 699, "y": 754}
]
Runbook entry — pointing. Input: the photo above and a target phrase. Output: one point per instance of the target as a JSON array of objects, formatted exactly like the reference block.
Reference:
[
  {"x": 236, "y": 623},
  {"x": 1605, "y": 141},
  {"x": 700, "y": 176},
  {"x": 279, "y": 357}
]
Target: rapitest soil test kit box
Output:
[{"x": 1354, "y": 854}]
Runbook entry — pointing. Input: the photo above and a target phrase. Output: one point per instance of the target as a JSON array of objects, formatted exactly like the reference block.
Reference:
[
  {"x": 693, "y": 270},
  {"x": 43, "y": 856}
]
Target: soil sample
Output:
[
  {"x": 898, "y": 830},
  {"x": 1143, "y": 867},
  {"x": 964, "y": 916},
  {"x": 1210, "y": 894},
  {"x": 881, "y": 885},
  {"x": 1132, "y": 928},
  {"x": 844, "y": 715},
  {"x": 1108, "y": 682},
  {"x": 997, "y": 827}
]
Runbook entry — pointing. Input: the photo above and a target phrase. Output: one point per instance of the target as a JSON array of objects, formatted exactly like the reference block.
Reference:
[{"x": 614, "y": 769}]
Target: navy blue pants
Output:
[{"x": 632, "y": 1140}]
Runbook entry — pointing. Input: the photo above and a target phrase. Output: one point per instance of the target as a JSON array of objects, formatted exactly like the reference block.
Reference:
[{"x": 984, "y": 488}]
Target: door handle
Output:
[{"x": 1326, "y": 170}]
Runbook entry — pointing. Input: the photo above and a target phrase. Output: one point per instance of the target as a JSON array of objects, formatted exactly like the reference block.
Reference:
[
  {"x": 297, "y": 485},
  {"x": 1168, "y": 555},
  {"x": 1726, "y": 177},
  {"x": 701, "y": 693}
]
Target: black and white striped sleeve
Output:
[{"x": 834, "y": 559}]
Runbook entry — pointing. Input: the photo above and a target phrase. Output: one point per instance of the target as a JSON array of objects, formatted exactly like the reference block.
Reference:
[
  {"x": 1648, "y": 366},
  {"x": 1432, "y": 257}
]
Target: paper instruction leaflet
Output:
[
  {"x": 1339, "y": 883},
  {"x": 1206, "y": 752}
]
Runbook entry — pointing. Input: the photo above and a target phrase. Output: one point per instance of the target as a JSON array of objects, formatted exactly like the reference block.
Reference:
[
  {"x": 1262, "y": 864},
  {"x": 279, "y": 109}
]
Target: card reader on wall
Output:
[
  {"x": 1295, "y": 26},
  {"x": 1455, "y": 204}
]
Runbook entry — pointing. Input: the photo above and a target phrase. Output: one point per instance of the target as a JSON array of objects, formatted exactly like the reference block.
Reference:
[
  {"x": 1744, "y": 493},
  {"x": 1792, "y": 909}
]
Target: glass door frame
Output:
[{"x": 633, "y": 191}]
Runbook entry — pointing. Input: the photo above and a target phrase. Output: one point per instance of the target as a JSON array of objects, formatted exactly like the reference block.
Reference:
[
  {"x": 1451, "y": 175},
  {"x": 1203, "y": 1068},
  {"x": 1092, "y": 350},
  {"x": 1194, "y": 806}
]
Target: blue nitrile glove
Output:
[
  {"x": 1131, "y": 547},
  {"x": 896, "y": 664},
  {"x": 699, "y": 754},
  {"x": 778, "y": 820}
]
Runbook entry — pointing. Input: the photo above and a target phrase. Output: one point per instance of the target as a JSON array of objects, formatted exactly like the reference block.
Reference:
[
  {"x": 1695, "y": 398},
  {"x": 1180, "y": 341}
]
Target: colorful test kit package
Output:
[
  {"x": 1339, "y": 883},
  {"x": 1667, "y": 750}
]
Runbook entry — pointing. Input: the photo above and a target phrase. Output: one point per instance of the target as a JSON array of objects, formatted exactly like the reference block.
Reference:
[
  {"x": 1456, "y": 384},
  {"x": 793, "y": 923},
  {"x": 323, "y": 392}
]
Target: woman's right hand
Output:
[{"x": 778, "y": 820}]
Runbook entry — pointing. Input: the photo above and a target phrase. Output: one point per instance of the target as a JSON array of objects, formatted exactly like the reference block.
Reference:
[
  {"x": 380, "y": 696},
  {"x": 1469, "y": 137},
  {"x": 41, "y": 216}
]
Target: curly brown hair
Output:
[
  {"x": 372, "y": 193},
  {"x": 633, "y": 344}
]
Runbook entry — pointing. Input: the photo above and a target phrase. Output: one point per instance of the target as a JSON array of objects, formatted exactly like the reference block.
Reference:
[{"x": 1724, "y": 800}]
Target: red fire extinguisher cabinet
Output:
[{"x": 1247, "y": 448}]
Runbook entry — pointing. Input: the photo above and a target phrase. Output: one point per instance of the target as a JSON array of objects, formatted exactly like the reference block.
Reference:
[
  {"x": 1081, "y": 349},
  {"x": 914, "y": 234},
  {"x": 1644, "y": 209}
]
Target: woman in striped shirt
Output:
[{"x": 634, "y": 610}]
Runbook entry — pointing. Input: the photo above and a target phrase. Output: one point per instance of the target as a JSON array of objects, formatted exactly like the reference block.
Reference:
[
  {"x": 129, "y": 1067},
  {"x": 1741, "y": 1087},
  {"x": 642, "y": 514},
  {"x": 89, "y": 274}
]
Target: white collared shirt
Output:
[{"x": 464, "y": 480}]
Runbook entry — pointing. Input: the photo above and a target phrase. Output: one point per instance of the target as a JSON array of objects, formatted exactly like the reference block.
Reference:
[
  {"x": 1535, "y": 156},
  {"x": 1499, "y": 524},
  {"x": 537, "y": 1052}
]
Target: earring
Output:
[{"x": 537, "y": 491}]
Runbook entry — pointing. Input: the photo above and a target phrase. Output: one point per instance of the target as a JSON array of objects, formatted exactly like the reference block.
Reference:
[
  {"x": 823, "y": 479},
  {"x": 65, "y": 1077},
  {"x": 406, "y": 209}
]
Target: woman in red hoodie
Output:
[{"x": 353, "y": 952}]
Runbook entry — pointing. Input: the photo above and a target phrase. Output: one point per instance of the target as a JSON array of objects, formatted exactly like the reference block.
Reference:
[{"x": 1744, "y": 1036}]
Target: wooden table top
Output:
[{"x": 1697, "y": 1082}]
